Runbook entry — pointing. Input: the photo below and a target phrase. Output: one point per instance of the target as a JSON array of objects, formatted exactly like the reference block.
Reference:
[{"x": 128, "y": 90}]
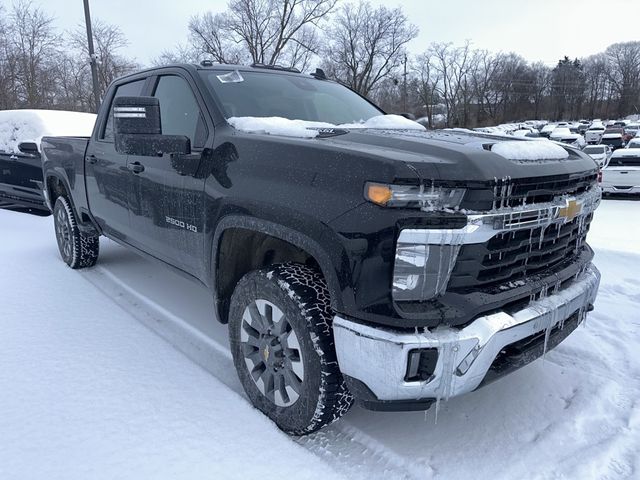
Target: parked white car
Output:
[
  {"x": 622, "y": 174},
  {"x": 594, "y": 133},
  {"x": 547, "y": 130},
  {"x": 564, "y": 135},
  {"x": 600, "y": 153},
  {"x": 633, "y": 143}
]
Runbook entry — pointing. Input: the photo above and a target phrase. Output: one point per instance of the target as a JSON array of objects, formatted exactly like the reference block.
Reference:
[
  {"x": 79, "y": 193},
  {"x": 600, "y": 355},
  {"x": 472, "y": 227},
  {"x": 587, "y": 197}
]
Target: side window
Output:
[
  {"x": 179, "y": 111},
  {"x": 131, "y": 89}
]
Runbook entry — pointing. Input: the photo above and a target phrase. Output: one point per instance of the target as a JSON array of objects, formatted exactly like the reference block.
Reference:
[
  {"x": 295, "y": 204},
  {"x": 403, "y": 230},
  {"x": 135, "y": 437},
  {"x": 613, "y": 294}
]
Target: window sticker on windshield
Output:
[{"x": 231, "y": 77}]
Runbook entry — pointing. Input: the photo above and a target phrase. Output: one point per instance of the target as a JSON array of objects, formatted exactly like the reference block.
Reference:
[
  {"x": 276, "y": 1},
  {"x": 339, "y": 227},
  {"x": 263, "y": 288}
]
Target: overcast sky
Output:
[{"x": 543, "y": 30}]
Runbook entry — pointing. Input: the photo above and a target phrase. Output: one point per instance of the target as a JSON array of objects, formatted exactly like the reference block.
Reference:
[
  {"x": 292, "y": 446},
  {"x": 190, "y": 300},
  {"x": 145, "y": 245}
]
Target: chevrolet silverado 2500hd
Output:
[{"x": 353, "y": 256}]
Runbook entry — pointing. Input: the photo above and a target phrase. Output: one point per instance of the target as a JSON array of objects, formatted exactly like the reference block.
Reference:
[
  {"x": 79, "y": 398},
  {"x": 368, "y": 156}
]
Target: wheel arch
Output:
[{"x": 247, "y": 232}]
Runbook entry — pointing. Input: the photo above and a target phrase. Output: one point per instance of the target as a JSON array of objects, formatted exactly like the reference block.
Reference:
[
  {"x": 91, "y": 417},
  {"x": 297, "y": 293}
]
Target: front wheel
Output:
[
  {"x": 78, "y": 249},
  {"x": 282, "y": 345}
]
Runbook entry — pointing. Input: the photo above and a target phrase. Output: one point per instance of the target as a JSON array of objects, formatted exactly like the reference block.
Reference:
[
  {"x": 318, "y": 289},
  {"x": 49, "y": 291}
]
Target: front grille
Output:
[
  {"x": 515, "y": 192},
  {"x": 509, "y": 258}
]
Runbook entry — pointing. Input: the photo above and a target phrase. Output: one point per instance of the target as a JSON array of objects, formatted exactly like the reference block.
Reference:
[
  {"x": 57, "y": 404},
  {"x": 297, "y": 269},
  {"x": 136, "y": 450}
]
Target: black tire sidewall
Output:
[
  {"x": 60, "y": 206},
  {"x": 295, "y": 417}
]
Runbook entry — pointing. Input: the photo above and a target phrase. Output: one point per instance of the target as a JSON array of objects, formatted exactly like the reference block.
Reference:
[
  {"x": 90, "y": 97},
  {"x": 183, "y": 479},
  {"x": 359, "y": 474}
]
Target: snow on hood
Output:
[
  {"x": 18, "y": 126},
  {"x": 530, "y": 150},
  {"x": 307, "y": 129}
]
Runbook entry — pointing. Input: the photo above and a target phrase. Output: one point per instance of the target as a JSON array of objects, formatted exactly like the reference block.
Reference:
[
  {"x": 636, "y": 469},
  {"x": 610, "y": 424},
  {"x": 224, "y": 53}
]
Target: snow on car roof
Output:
[
  {"x": 308, "y": 129},
  {"x": 18, "y": 126},
  {"x": 626, "y": 152}
]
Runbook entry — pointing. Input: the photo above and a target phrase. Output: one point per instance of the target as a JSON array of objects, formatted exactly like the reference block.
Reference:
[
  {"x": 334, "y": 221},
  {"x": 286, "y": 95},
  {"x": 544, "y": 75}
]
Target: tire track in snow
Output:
[{"x": 344, "y": 447}]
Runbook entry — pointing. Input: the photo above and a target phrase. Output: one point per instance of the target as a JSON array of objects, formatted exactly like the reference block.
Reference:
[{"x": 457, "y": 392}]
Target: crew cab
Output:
[{"x": 354, "y": 255}]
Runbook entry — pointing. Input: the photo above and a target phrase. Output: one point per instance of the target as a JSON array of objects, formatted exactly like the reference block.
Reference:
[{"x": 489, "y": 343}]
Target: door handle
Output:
[
  {"x": 136, "y": 167},
  {"x": 13, "y": 157},
  {"x": 92, "y": 159}
]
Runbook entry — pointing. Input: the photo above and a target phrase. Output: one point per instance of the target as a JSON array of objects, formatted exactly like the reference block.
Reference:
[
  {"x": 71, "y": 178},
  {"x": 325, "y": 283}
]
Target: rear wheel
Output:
[
  {"x": 282, "y": 345},
  {"x": 78, "y": 249}
]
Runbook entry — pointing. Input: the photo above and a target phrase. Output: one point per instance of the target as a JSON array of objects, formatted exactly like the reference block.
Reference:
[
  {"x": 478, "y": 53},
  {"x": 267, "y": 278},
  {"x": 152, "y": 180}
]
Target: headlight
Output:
[{"x": 414, "y": 196}]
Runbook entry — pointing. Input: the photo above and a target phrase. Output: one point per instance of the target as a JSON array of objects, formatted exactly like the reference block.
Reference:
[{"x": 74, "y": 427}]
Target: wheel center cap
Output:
[{"x": 265, "y": 353}]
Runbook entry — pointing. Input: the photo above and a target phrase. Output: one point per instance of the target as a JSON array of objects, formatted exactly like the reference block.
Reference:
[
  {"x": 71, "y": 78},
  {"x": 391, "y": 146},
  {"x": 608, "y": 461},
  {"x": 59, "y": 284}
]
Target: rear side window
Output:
[
  {"x": 132, "y": 89},
  {"x": 179, "y": 110}
]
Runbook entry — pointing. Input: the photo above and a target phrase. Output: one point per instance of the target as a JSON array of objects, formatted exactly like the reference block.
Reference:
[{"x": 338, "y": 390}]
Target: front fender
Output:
[{"x": 318, "y": 241}]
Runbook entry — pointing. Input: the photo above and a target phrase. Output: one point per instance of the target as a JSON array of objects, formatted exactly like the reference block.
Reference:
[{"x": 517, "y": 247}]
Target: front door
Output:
[
  {"x": 167, "y": 204},
  {"x": 108, "y": 181}
]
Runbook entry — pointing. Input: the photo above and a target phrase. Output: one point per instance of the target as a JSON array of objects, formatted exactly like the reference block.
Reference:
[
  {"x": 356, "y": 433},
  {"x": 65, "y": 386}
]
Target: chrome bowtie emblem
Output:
[{"x": 570, "y": 211}]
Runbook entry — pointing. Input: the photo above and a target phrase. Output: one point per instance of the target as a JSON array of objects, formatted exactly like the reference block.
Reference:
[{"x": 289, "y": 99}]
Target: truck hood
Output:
[{"x": 459, "y": 155}]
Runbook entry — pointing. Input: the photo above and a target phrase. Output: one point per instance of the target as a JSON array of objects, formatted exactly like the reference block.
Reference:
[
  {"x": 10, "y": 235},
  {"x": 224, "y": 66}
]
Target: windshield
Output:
[
  {"x": 625, "y": 162},
  {"x": 260, "y": 94}
]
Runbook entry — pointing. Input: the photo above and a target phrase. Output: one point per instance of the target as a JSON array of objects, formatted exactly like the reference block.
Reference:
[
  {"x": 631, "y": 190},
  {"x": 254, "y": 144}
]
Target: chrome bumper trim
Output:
[{"x": 378, "y": 357}]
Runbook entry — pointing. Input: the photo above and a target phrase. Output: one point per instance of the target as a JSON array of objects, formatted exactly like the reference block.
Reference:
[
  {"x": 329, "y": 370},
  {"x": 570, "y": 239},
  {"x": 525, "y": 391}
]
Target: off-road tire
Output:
[
  {"x": 78, "y": 249},
  {"x": 301, "y": 294}
]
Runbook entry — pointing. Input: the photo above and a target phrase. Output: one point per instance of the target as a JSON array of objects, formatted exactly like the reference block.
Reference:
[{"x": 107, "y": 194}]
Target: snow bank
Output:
[
  {"x": 307, "y": 129},
  {"x": 530, "y": 150},
  {"x": 18, "y": 126}
]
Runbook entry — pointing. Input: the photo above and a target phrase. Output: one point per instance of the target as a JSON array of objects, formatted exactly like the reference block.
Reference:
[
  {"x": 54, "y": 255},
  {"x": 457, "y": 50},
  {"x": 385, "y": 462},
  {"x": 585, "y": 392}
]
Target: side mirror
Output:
[
  {"x": 138, "y": 129},
  {"x": 29, "y": 148}
]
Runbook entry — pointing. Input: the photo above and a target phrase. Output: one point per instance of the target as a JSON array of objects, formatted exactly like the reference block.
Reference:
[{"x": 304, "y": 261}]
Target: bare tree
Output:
[
  {"x": 261, "y": 31},
  {"x": 181, "y": 53},
  {"x": 624, "y": 74},
  {"x": 541, "y": 79},
  {"x": 33, "y": 43},
  {"x": 210, "y": 36},
  {"x": 429, "y": 80},
  {"x": 108, "y": 40},
  {"x": 367, "y": 44},
  {"x": 453, "y": 64}
]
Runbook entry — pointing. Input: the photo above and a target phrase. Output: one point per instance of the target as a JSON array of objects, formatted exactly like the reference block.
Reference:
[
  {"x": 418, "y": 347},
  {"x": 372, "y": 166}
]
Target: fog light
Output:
[{"x": 421, "y": 364}]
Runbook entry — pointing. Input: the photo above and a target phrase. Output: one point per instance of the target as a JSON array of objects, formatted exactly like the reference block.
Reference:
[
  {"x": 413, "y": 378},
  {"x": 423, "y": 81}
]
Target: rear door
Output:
[
  {"x": 21, "y": 170},
  {"x": 168, "y": 205},
  {"x": 108, "y": 181}
]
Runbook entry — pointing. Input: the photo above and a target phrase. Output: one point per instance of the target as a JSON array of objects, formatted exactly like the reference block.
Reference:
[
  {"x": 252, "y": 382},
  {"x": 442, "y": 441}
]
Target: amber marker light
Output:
[{"x": 379, "y": 194}]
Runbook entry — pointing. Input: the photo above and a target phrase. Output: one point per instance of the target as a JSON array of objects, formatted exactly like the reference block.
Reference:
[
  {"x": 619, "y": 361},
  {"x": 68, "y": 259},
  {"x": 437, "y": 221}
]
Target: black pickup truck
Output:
[
  {"x": 21, "y": 180},
  {"x": 352, "y": 255}
]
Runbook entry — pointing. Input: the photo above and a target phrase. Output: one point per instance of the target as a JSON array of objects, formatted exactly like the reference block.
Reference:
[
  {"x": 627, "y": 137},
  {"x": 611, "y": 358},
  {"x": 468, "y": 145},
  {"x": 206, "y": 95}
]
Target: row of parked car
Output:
[{"x": 613, "y": 144}]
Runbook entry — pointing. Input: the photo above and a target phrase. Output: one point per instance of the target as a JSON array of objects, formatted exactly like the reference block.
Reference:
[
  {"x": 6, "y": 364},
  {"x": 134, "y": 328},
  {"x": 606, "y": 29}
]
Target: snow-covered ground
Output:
[{"x": 89, "y": 390}]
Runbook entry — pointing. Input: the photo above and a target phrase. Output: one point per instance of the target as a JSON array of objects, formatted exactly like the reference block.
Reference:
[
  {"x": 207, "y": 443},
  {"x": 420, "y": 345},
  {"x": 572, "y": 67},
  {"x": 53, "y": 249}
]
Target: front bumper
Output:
[{"x": 375, "y": 360}]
